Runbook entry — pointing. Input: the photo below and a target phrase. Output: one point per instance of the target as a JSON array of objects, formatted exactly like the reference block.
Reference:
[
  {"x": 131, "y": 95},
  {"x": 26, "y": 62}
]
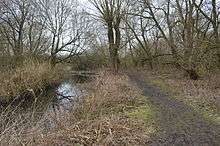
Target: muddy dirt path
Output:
[{"x": 179, "y": 124}]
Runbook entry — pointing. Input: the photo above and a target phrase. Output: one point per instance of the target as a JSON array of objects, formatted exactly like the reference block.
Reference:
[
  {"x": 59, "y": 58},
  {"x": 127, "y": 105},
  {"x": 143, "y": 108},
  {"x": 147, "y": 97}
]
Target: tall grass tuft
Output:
[{"x": 31, "y": 76}]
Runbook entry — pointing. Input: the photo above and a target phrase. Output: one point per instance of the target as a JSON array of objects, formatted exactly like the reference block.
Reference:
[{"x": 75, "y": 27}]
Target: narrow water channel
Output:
[
  {"x": 63, "y": 100},
  {"x": 49, "y": 107},
  {"x": 66, "y": 94}
]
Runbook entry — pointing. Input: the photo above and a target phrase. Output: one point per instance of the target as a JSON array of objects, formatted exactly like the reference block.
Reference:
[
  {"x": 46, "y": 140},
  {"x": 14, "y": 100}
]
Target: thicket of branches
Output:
[
  {"x": 51, "y": 28},
  {"x": 183, "y": 33}
]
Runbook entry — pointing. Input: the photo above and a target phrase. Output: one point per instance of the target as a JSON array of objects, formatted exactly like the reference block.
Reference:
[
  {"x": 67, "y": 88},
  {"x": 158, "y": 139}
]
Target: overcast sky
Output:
[{"x": 86, "y": 4}]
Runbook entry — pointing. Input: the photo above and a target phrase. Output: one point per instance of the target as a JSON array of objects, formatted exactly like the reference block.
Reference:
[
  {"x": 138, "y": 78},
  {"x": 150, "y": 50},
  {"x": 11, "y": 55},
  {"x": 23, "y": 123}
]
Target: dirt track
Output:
[{"x": 179, "y": 123}]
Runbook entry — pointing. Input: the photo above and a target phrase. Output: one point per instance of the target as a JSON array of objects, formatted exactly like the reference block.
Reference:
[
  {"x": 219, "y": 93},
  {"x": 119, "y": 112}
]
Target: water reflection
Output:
[
  {"x": 66, "y": 95},
  {"x": 46, "y": 109},
  {"x": 64, "y": 98}
]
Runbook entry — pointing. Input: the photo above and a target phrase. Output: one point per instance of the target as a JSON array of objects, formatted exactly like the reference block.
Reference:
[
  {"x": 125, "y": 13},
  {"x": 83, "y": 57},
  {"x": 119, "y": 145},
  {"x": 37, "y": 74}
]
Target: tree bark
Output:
[
  {"x": 114, "y": 38},
  {"x": 215, "y": 28}
]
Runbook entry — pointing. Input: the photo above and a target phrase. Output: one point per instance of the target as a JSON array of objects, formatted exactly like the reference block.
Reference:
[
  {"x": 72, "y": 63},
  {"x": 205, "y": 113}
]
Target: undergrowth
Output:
[
  {"x": 113, "y": 113},
  {"x": 31, "y": 76}
]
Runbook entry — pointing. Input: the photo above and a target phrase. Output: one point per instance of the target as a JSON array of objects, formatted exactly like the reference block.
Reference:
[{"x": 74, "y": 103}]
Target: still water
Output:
[
  {"x": 61, "y": 103},
  {"x": 48, "y": 108}
]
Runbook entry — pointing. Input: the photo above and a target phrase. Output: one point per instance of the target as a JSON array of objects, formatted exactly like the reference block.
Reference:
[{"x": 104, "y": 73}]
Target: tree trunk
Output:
[
  {"x": 53, "y": 60},
  {"x": 117, "y": 44},
  {"x": 18, "y": 52},
  {"x": 215, "y": 27},
  {"x": 114, "y": 43},
  {"x": 218, "y": 55}
]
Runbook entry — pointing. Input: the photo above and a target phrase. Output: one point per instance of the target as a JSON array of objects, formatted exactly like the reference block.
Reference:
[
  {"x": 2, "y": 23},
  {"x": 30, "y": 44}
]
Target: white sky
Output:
[{"x": 86, "y": 4}]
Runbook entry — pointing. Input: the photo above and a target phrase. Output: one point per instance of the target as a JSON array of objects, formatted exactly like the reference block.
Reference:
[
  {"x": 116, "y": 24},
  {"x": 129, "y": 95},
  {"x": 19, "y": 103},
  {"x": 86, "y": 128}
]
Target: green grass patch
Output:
[{"x": 145, "y": 111}]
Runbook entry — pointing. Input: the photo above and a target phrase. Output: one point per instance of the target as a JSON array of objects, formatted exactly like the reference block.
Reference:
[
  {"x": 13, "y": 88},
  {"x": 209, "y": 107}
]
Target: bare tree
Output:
[
  {"x": 213, "y": 18},
  {"x": 14, "y": 14},
  {"x": 37, "y": 41},
  {"x": 111, "y": 13},
  {"x": 179, "y": 23},
  {"x": 65, "y": 26}
]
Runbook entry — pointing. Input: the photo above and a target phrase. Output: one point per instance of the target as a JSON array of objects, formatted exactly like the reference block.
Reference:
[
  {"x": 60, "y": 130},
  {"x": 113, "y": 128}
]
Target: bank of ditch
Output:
[
  {"x": 112, "y": 113},
  {"x": 27, "y": 81}
]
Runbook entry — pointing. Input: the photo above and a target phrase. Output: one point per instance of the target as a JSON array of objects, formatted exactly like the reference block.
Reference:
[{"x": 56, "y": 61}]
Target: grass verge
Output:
[{"x": 202, "y": 95}]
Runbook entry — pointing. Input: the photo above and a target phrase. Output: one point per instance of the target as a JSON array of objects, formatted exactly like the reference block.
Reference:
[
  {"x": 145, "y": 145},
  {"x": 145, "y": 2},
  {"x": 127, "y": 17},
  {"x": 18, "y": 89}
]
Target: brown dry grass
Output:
[
  {"x": 110, "y": 94},
  {"x": 110, "y": 130},
  {"x": 31, "y": 76},
  {"x": 100, "y": 118}
]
